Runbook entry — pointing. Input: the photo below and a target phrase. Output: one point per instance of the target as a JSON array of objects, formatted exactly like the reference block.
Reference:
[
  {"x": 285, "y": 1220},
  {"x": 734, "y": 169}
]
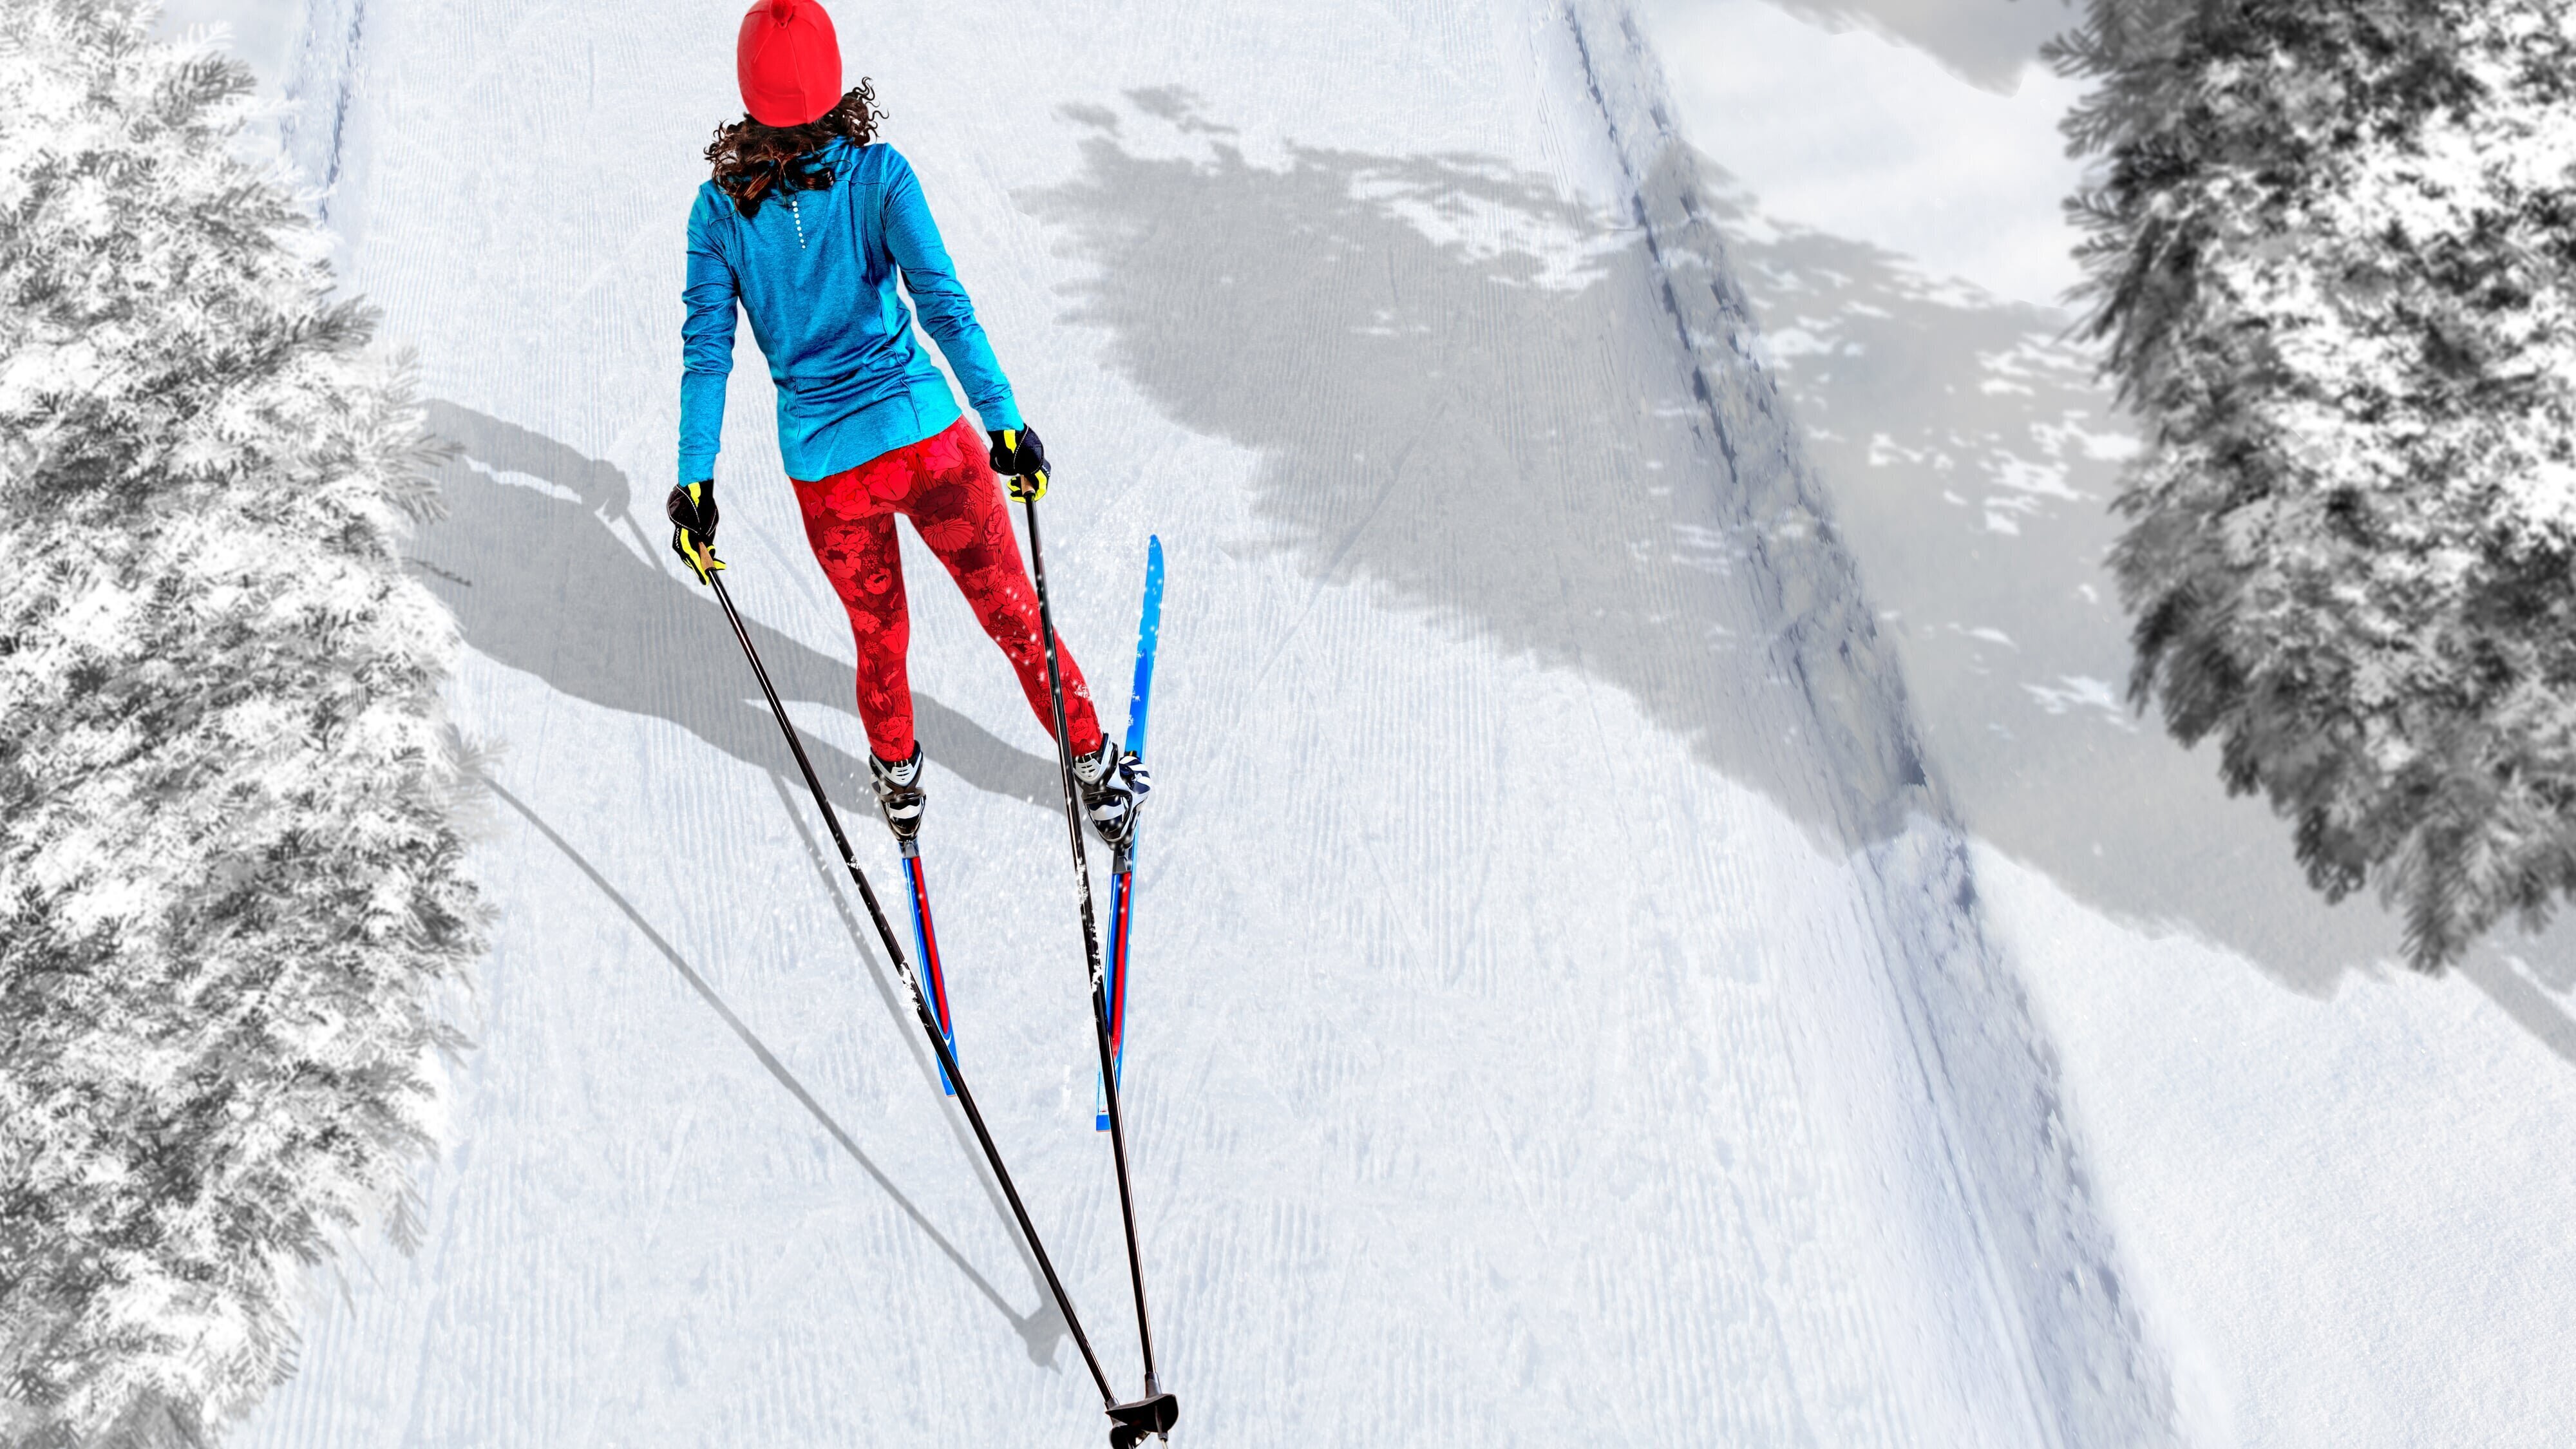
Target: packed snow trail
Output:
[{"x": 1563, "y": 1013}]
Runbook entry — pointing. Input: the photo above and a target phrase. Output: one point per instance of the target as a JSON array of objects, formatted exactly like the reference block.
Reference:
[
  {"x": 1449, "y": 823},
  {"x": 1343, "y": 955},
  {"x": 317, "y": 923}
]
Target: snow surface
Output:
[
  {"x": 1948, "y": 154},
  {"x": 1451, "y": 1124},
  {"x": 1721, "y": 1122},
  {"x": 2342, "y": 1189}
]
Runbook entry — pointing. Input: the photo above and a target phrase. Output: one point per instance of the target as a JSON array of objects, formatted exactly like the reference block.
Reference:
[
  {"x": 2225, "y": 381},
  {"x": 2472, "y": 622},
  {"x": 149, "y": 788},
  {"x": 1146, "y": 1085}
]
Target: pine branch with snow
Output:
[
  {"x": 232, "y": 880},
  {"x": 2333, "y": 251}
]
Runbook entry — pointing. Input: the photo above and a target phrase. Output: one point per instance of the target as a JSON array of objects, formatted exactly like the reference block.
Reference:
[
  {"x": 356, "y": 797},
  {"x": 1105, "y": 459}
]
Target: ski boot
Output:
[
  {"x": 1113, "y": 784},
  {"x": 899, "y": 793}
]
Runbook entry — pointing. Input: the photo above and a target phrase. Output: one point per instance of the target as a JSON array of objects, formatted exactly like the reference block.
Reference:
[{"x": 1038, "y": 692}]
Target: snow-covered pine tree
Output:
[
  {"x": 2334, "y": 252},
  {"x": 232, "y": 888}
]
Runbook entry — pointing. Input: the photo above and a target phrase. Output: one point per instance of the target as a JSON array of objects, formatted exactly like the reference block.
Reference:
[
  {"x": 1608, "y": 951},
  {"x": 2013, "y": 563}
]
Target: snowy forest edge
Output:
[{"x": 232, "y": 819}]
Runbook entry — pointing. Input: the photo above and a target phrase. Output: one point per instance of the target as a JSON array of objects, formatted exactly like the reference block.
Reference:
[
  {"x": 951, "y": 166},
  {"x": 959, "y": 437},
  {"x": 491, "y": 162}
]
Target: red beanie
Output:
[{"x": 789, "y": 63}]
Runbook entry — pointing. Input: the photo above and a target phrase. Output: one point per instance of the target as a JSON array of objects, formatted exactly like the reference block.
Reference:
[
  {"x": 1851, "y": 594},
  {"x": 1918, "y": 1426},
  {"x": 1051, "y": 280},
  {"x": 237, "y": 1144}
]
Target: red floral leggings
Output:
[{"x": 945, "y": 486}]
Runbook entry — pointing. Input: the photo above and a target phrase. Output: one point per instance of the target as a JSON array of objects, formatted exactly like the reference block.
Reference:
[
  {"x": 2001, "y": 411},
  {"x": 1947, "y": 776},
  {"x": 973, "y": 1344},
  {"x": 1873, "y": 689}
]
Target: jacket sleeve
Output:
[
  {"x": 940, "y": 300},
  {"x": 706, "y": 341}
]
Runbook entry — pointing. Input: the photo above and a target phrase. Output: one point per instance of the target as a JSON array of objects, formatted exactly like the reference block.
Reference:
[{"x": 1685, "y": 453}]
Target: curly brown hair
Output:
[{"x": 754, "y": 162}]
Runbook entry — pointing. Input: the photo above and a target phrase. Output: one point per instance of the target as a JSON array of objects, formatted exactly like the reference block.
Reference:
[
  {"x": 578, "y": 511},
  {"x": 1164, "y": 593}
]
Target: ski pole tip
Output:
[{"x": 1155, "y": 1414}]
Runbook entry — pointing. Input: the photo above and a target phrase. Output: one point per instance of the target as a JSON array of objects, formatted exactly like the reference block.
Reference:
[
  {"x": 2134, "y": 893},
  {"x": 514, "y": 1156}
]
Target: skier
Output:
[{"x": 806, "y": 224}]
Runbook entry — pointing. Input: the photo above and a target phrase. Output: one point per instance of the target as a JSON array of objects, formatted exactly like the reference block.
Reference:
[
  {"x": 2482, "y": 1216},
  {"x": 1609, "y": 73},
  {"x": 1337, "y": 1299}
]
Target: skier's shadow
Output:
[
  {"x": 549, "y": 571},
  {"x": 1042, "y": 1329}
]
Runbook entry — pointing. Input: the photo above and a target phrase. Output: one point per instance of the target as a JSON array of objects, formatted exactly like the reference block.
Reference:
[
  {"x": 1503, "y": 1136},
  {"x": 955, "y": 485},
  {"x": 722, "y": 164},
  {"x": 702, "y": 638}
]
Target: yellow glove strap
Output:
[
  {"x": 1026, "y": 487},
  {"x": 701, "y": 556}
]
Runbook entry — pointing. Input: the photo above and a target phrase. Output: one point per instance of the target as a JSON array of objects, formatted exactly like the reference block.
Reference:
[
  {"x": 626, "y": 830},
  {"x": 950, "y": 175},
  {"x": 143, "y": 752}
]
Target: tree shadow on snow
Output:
[
  {"x": 1431, "y": 357},
  {"x": 1354, "y": 319},
  {"x": 549, "y": 572}
]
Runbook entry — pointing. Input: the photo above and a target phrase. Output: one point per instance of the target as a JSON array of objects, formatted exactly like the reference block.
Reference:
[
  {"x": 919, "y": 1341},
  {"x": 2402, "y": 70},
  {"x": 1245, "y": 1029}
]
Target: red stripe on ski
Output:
[
  {"x": 1118, "y": 968},
  {"x": 929, "y": 945}
]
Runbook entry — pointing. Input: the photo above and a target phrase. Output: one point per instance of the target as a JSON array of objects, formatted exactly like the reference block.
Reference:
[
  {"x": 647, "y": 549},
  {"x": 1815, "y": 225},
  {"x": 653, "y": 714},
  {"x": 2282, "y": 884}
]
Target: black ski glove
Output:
[
  {"x": 693, "y": 527},
  {"x": 1020, "y": 457}
]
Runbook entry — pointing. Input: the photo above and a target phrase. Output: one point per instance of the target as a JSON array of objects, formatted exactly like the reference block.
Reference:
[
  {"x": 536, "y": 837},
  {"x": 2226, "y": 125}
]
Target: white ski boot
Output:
[
  {"x": 899, "y": 793},
  {"x": 1113, "y": 784}
]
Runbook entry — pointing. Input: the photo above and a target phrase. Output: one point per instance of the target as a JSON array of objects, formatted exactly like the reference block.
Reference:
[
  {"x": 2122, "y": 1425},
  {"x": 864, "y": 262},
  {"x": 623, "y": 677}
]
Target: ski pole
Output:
[
  {"x": 1157, "y": 1410},
  {"x": 920, "y": 1002}
]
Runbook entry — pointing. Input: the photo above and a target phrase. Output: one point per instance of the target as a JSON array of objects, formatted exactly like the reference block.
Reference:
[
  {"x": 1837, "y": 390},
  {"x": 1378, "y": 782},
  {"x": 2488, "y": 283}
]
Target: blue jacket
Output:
[{"x": 815, "y": 271}]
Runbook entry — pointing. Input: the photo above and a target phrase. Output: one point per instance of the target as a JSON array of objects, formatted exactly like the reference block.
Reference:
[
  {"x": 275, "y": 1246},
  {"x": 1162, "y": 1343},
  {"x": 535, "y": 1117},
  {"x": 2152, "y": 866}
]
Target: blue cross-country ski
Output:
[
  {"x": 1122, "y": 888},
  {"x": 925, "y": 943}
]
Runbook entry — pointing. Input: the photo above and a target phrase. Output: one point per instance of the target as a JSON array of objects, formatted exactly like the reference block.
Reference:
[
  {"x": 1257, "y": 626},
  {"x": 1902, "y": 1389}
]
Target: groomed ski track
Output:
[{"x": 1561, "y": 1010}]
